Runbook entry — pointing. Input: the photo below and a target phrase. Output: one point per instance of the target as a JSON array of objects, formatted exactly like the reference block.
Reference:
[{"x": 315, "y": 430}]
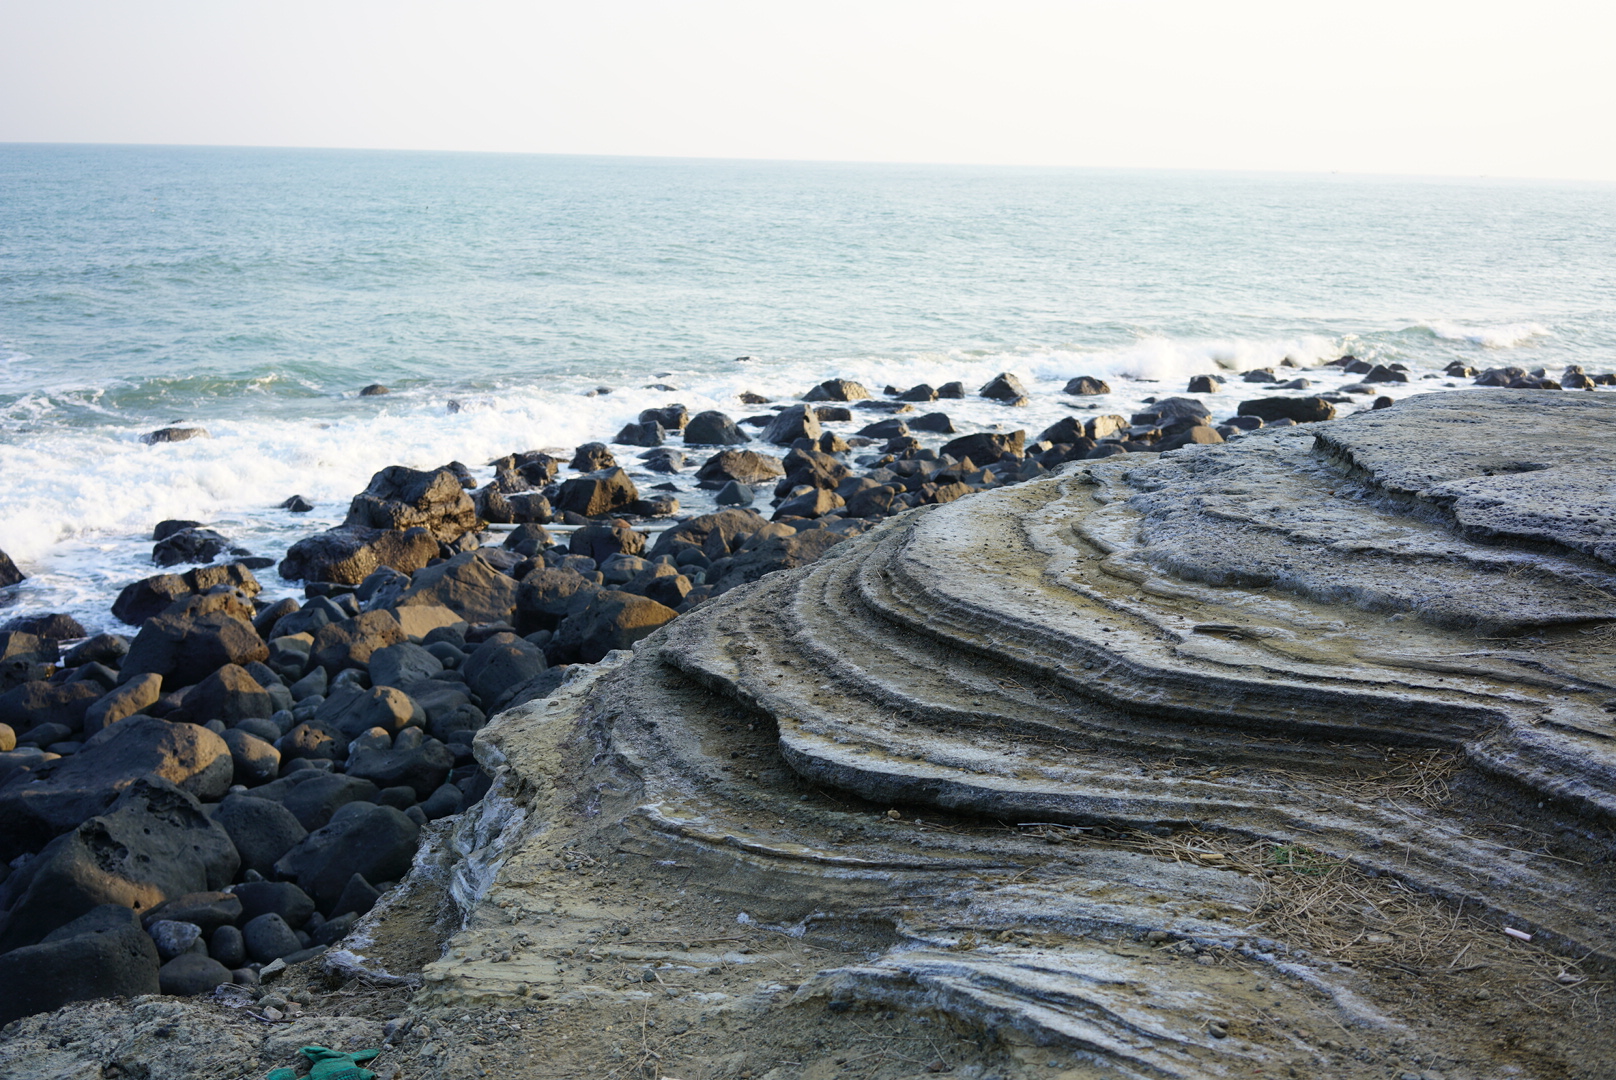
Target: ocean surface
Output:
[{"x": 255, "y": 291}]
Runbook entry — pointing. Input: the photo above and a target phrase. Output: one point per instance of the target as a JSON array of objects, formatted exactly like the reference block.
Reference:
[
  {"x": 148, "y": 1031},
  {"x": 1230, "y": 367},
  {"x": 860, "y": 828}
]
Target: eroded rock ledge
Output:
[{"x": 1221, "y": 762}]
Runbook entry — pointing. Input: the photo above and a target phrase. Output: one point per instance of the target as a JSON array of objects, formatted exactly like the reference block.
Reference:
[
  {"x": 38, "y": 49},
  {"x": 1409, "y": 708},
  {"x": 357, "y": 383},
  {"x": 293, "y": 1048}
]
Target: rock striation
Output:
[{"x": 1046, "y": 753}]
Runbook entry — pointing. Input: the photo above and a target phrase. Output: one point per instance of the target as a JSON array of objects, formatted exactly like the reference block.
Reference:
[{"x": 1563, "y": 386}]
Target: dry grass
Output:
[{"x": 1336, "y": 911}]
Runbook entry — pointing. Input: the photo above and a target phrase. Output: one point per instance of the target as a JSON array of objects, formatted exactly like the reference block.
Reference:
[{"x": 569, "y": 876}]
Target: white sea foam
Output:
[{"x": 1500, "y": 336}]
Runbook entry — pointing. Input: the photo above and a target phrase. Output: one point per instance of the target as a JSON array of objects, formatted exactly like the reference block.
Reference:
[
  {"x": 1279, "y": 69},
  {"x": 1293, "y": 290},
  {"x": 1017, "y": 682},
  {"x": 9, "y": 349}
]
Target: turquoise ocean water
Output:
[{"x": 254, "y": 291}]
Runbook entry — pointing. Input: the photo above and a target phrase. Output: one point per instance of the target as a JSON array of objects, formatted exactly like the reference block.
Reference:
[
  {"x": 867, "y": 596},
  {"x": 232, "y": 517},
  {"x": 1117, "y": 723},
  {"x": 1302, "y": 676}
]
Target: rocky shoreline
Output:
[{"x": 227, "y": 792}]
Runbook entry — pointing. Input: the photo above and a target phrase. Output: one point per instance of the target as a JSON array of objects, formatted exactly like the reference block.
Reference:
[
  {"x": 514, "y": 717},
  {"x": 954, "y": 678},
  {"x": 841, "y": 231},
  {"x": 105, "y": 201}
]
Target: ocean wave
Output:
[{"x": 1498, "y": 336}]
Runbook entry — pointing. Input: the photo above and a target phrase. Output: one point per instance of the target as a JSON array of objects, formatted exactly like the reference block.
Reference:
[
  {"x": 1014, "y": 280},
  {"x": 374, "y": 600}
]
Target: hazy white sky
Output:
[{"x": 1413, "y": 86}]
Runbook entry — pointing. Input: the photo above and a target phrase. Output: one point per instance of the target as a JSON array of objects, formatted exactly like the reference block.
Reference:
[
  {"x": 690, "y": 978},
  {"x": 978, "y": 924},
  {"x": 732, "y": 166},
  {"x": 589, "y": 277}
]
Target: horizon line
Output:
[{"x": 1227, "y": 170}]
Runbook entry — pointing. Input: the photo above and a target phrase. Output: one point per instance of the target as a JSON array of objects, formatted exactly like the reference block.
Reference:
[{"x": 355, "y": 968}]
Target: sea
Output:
[{"x": 513, "y": 302}]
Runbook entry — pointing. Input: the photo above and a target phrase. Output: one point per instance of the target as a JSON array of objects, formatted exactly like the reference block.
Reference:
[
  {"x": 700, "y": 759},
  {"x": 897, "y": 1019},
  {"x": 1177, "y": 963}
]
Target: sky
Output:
[{"x": 1415, "y": 87}]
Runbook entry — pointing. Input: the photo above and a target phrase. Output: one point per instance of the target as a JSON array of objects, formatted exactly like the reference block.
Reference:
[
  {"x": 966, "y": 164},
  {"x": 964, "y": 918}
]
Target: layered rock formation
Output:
[{"x": 1218, "y": 762}]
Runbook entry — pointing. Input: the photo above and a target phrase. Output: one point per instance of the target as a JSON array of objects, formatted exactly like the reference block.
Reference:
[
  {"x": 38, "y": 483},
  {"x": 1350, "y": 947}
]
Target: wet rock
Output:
[
  {"x": 1298, "y": 410},
  {"x": 348, "y": 554},
  {"x": 375, "y": 841},
  {"x": 670, "y": 417},
  {"x": 836, "y": 390},
  {"x": 174, "y": 434},
  {"x": 739, "y": 466},
  {"x": 154, "y": 843},
  {"x": 776, "y": 553},
  {"x": 923, "y": 392},
  {"x": 664, "y": 460},
  {"x": 645, "y": 433},
  {"x": 195, "y": 545},
  {"x": 1085, "y": 386},
  {"x": 102, "y": 953},
  {"x": 734, "y": 494},
  {"x": 593, "y": 457},
  {"x": 936, "y": 422},
  {"x": 791, "y": 424},
  {"x": 54, "y": 627},
  {"x": 9, "y": 574},
  {"x": 596, "y": 494},
  {"x": 951, "y": 390},
  {"x": 985, "y": 447},
  {"x": 58, "y": 796},
  {"x": 602, "y": 540},
  {"x": 1005, "y": 388},
  {"x": 297, "y": 504},
  {"x": 713, "y": 428},
  {"x": 1173, "y": 409},
  {"x": 374, "y": 390},
  {"x": 1381, "y": 373},
  {"x": 399, "y": 499},
  {"x": 1207, "y": 384},
  {"x": 1198, "y": 434},
  {"x": 811, "y": 504}
]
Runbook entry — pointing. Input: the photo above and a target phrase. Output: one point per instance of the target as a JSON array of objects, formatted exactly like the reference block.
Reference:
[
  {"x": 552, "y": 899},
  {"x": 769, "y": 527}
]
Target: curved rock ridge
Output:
[{"x": 997, "y": 757}]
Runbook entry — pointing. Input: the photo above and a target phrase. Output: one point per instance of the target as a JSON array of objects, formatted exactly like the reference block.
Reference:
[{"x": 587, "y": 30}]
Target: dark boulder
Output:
[
  {"x": 421, "y": 768},
  {"x": 923, "y": 392},
  {"x": 297, "y": 504},
  {"x": 645, "y": 433},
  {"x": 174, "y": 434},
  {"x": 1084, "y": 386},
  {"x": 9, "y": 574},
  {"x": 314, "y": 800},
  {"x": 1198, "y": 434},
  {"x": 398, "y": 499},
  {"x": 776, "y": 553},
  {"x": 401, "y": 664},
  {"x": 36, "y": 702},
  {"x": 61, "y": 794},
  {"x": 108, "y": 649},
  {"x": 352, "y": 711},
  {"x": 191, "y": 975},
  {"x": 206, "y": 910},
  {"x": 671, "y": 417},
  {"x": 268, "y": 937},
  {"x": 312, "y": 740},
  {"x": 935, "y": 422},
  {"x": 1206, "y": 384},
  {"x": 713, "y": 428},
  {"x": 607, "y": 621},
  {"x": 791, "y": 424},
  {"x": 467, "y": 585},
  {"x": 261, "y": 829},
  {"x": 985, "y": 447},
  {"x": 184, "y": 649},
  {"x": 102, "y": 953},
  {"x": 374, "y": 390},
  {"x": 1170, "y": 410},
  {"x": 951, "y": 390},
  {"x": 601, "y": 540},
  {"x": 1381, "y": 373},
  {"x": 595, "y": 494},
  {"x": 501, "y": 662},
  {"x": 1006, "y": 388},
  {"x": 229, "y": 694},
  {"x": 280, "y": 898},
  {"x": 836, "y": 390},
  {"x": 134, "y": 696},
  {"x": 593, "y": 457},
  {"x": 194, "y": 545},
  {"x": 664, "y": 460},
  {"x": 153, "y": 844},
  {"x": 348, "y": 554},
  {"x": 810, "y": 504},
  {"x": 728, "y": 524},
  {"x": 55, "y": 627},
  {"x": 740, "y": 466},
  {"x": 351, "y": 642},
  {"x": 1300, "y": 410},
  {"x": 25, "y": 658},
  {"x": 361, "y": 838},
  {"x": 254, "y": 760},
  {"x": 547, "y": 595}
]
